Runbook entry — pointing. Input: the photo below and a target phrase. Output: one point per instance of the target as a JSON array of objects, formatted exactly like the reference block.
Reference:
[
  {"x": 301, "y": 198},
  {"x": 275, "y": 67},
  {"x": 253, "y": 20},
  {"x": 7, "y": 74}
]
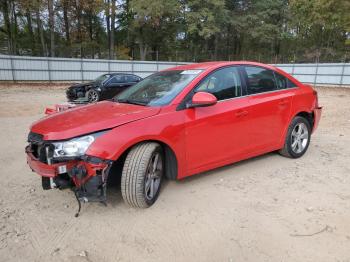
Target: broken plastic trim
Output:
[{"x": 95, "y": 188}]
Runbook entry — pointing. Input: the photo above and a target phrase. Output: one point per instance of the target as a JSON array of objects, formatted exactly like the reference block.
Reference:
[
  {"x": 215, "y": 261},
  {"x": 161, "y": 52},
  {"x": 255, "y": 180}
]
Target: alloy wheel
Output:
[
  {"x": 153, "y": 176},
  {"x": 93, "y": 96},
  {"x": 300, "y": 137}
]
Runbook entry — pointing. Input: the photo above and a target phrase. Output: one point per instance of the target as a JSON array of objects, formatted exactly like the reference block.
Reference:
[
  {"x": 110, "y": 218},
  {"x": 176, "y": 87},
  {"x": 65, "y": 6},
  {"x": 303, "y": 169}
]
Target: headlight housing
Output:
[{"x": 74, "y": 147}]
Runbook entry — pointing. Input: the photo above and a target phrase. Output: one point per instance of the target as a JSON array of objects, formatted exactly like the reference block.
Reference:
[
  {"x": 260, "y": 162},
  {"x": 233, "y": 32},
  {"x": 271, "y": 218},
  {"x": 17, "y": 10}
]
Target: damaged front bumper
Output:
[{"x": 87, "y": 176}]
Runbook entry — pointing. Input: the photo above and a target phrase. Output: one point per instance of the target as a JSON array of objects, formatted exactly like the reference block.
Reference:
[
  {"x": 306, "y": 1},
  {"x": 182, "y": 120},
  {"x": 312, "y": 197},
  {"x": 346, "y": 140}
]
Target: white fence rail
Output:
[
  {"x": 26, "y": 68},
  {"x": 319, "y": 74}
]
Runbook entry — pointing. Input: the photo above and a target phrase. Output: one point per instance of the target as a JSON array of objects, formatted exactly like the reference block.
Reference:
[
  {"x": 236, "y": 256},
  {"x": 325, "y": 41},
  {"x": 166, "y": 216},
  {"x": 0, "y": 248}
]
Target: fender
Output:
[
  {"x": 165, "y": 128},
  {"x": 292, "y": 115}
]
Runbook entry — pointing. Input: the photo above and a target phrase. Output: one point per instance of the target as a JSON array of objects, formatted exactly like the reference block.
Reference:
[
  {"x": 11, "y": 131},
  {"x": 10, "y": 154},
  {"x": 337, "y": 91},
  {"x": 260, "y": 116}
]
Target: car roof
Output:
[
  {"x": 210, "y": 66},
  {"x": 218, "y": 64},
  {"x": 128, "y": 74}
]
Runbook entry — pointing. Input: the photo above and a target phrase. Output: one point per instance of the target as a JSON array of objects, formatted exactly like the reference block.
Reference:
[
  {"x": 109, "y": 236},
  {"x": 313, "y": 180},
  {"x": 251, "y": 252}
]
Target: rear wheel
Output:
[
  {"x": 297, "y": 139},
  {"x": 142, "y": 175},
  {"x": 93, "y": 96}
]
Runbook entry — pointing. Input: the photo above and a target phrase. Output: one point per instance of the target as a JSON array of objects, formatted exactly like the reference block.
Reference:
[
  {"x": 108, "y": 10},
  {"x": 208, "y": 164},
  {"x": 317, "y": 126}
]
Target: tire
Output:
[
  {"x": 142, "y": 175},
  {"x": 45, "y": 182},
  {"x": 92, "y": 96},
  {"x": 297, "y": 139}
]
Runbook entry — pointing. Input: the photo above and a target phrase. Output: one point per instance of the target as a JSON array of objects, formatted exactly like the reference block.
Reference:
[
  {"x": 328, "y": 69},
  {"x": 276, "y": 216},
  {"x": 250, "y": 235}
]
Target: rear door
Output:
[
  {"x": 270, "y": 100},
  {"x": 216, "y": 134},
  {"x": 115, "y": 85},
  {"x": 130, "y": 80}
]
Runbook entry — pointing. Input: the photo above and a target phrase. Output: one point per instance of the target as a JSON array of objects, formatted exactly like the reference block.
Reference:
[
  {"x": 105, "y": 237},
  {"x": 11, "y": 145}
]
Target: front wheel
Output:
[
  {"x": 142, "y": 175},
  {"x": 93, "y": 96},
  {"x": 297, "y": 139}
]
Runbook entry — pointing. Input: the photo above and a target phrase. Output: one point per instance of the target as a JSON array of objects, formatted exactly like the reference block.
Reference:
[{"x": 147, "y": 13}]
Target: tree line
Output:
[{"x": 178, "y": 30}]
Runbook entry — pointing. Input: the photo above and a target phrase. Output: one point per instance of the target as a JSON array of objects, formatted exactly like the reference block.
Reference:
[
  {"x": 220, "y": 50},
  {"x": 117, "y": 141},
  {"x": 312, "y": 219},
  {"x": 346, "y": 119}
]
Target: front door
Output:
[{"x": 216, "y": 134}]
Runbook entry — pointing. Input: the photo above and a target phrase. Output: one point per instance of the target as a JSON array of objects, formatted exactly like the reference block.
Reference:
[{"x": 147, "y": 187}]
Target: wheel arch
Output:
[
  {"x": 171, "y": 160},
  {"x": 309, "y": 116}
]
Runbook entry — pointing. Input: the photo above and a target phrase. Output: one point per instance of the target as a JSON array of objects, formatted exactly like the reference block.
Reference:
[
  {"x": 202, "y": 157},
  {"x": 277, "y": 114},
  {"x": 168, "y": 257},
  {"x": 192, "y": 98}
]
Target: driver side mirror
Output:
[{"x": 202, "y": 99}]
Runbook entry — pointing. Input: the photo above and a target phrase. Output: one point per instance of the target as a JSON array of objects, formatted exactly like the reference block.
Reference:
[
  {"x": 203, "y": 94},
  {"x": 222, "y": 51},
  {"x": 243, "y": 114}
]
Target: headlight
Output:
[{"x": 74, "y": 147}]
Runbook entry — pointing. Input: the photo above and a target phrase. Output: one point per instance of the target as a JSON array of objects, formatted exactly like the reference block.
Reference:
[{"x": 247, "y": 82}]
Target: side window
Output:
[
  {"x": 131, "y": 78},
  {"x": 290, "y": 84},
  {"x": 281, "y": 81},
  {"x": 260, "y": 80},
  {"x": 224, "y": 83},
  {"x": 117, "y": 79}
]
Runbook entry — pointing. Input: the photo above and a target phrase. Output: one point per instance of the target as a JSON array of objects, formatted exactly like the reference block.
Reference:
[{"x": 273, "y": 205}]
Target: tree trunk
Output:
[
  {"x": 5, "y": 10},
  {"x": 91, "y": 29},
  {"x": 52, "y": 27},
  {"x": 80, "y": 37},
  {"x": 30, "y": 30},
  {"x": 216, "y": 46},
  {"x": 108, "y": 23},
  {"x": 15, "y": 31},
  {"x": 112, "y": 28},
  {"x": 128, "y": 22},
  {"x": 40, "y": 32},
  {"x": 66, "y": 26},
  {"x": 143, "y": 51}
]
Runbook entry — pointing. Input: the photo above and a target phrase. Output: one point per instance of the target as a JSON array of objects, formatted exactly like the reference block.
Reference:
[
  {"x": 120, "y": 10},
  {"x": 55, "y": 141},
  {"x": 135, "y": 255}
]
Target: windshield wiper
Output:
[{"x": 129, "y": 101}]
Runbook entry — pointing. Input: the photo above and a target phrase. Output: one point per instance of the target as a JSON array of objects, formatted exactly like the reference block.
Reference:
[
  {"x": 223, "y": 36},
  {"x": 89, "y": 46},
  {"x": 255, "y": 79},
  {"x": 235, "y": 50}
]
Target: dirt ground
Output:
[{"x": 269, "y": 208}]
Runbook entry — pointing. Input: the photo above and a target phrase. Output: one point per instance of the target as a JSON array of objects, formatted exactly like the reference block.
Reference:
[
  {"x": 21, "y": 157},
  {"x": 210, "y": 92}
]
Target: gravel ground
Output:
[{"x": 268, "y": 208}]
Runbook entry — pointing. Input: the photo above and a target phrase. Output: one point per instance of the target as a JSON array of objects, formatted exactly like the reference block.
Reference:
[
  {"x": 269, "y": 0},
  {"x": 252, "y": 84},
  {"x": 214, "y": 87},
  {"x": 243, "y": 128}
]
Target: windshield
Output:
[
  {"x": 158, "y": 89},
  {"x": 102, "y": 78}
]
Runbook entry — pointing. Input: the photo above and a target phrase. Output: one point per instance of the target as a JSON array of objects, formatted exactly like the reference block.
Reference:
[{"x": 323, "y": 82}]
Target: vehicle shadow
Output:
[{"x": 114, "y": 195}]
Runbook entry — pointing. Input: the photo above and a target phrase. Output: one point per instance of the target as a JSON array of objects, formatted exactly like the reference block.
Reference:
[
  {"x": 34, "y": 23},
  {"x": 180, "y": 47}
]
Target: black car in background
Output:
[{"x": 104, "y": 87}]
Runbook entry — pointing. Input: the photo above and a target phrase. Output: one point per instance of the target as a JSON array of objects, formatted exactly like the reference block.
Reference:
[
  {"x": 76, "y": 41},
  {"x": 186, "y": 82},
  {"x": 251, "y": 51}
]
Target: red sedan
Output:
[{"x": 174, "y": 124}]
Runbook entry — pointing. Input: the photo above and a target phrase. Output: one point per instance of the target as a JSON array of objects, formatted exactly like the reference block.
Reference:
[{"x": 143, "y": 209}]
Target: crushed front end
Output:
[{"x": 63, "y": 164}]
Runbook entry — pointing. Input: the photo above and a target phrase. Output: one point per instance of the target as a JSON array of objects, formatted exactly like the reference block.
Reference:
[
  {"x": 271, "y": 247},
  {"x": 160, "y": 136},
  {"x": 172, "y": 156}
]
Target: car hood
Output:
[
  {"x": 90, "y": 118},
  {"x": 82, "y": 85}
]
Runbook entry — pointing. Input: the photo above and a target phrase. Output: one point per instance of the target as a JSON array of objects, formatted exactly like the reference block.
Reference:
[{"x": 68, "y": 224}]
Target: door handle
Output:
[{"x": 241, "y": 113}]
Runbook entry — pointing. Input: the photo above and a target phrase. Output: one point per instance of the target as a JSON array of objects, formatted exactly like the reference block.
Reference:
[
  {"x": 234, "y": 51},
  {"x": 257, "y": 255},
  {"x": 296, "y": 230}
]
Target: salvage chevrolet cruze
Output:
[{"x": 174, "y": 124}]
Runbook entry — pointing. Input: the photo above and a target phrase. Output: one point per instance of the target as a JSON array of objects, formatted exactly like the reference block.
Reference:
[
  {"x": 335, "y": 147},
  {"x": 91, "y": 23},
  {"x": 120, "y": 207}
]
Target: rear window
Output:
[
  {"x": 283, "y": 82},
  {"x": 260, "y": 80}
]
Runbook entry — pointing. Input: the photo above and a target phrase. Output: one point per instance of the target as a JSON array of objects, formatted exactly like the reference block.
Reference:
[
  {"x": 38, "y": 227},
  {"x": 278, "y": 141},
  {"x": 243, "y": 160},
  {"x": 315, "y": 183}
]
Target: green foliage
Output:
[
  {"x": 322, "y": 26},
  {"x": 205, "y": 18},
  {"x": 189, "y": 30}
]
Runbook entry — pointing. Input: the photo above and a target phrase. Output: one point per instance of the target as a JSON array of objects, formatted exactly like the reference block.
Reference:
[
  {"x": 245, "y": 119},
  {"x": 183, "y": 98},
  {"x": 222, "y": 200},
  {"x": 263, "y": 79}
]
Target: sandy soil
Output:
[{"x": 269, "y": 208}]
